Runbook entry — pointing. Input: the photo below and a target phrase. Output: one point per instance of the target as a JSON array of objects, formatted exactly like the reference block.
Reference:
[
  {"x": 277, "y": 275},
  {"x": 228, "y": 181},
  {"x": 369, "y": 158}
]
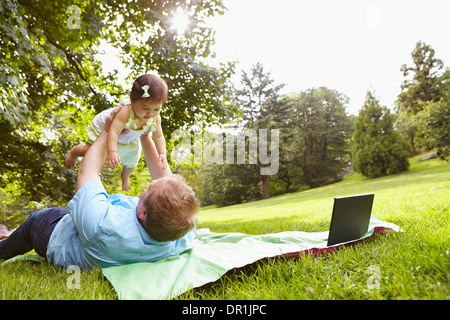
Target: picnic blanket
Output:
[{"x": 211, "y": 256}]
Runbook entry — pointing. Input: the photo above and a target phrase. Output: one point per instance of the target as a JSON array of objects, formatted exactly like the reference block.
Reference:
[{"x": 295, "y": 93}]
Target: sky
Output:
[{"x": 346, "y": 45}]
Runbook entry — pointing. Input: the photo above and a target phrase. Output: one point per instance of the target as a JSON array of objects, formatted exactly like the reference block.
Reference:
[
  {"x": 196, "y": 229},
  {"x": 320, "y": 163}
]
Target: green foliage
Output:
[
  {"x": 198, "y": 93},
  {"x": 254, "y": 99},
  {"x": 228, "y": 184},
  {"x": 225, "y": 184},
  {"x": 321, "y": 130},
  {"x": 313, "y": 149},
  {"x": 46, "y": 63},
  {"x": 49, "y": 73},
  {"x": 52, "y": 82},
  {"x": 423, "y": 85},
  {"x": 254, "y": 96},
  {"x": 223, "y": 180},
  {"x": 434, "y": 125},
  {"x": 426, "y": 83},
  {"x": 313, "y": 140},
  {"x": 377, "y": 149}
]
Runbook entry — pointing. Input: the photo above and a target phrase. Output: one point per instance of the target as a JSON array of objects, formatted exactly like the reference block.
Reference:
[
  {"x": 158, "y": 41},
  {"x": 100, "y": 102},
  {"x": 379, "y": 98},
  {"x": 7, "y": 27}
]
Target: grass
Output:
[
  {"x": 27, "y": 280},
  {"x": 414, "y": 264}
]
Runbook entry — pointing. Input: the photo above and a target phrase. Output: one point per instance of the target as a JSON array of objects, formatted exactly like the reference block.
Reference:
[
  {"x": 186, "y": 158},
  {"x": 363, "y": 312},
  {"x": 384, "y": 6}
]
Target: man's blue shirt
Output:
[{"x": 102, "y": 230}]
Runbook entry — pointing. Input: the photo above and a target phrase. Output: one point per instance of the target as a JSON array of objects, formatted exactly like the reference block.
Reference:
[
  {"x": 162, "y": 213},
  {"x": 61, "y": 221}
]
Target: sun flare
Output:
[{"x": 180, "y": 21}]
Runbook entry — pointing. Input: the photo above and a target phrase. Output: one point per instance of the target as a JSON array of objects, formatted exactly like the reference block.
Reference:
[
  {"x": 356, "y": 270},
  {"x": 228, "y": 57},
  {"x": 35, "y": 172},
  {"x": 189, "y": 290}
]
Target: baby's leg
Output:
[
  {"x": 126, "y": 172},
  {"x": 77, "y": 151}
]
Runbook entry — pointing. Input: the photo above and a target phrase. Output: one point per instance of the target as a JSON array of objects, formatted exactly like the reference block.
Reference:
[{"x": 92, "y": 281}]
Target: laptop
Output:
[{"x": 350, "y": 219}]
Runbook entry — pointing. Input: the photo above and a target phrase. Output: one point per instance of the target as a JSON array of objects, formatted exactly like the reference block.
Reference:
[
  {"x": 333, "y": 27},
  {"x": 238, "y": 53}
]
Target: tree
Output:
[
  {"x": 322, "y": 130},
  {"x": 48, "y": 60},
  {"x": 377, "y": 149},
  {"x": 314, "y": 132},
  {"x": 52, "y": 81},
  {"x": 198, "y": 93},
  {"x": 257, "y": 91},
  {"x": 423, "y": 84},
  {"x": 224, "y": 175},
  {"x": 433, "y": 124},
  {"x": 225, "y": 185},
  {"x": 280, "y": 114}
]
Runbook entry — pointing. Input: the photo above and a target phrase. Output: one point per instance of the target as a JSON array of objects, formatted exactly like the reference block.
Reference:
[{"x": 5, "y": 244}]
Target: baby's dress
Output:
[{"x": 128, "y": 145}]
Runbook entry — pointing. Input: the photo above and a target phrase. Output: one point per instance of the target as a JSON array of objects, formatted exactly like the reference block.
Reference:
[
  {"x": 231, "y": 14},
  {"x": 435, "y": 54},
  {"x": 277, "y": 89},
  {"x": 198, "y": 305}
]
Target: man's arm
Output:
[
  {"x": 93, "y": 160},
  {"x": 151, "y": 158},
  {"x": 158, "y": 137},
  {"x": 160, "y": 143}
]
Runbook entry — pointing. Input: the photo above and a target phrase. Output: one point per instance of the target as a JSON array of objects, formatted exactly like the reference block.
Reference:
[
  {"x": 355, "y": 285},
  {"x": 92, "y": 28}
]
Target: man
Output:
[{"x": 104, "y": 230}]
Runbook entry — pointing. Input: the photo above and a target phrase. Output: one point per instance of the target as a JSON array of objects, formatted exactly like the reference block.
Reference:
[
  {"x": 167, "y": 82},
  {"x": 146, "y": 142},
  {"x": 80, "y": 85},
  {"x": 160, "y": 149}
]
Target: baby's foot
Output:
[
  {"x": 126, "y": 184},
  {"x": 71, "y": 159}
]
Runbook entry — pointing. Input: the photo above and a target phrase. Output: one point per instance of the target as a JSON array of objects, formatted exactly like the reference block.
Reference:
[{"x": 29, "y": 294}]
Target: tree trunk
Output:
[{"x": 265, "y": 187}]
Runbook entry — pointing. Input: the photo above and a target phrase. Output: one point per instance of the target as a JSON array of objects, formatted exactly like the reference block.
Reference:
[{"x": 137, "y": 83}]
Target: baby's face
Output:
[{"x": 146, "y": 109}]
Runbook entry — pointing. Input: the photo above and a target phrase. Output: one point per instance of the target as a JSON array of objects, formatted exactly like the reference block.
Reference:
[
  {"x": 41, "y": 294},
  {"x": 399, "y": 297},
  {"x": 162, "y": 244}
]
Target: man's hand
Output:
[
  {"x": 146, "y": 133},
  {"x": 162, "y": 160},
  {"x": 152, "y": 158},
  {"x": 110, "y": 118}
]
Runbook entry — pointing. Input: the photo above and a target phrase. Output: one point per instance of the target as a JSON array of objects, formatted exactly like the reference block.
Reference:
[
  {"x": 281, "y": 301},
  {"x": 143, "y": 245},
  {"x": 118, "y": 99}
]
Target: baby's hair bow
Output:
[{"x": 145, "y": 94}]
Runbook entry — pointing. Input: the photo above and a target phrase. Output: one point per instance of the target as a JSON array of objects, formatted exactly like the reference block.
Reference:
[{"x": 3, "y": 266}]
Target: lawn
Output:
[{"x": 414, "y": 264}]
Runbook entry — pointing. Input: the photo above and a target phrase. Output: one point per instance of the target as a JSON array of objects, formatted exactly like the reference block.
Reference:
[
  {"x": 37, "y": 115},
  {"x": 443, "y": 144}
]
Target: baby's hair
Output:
[{"x": 158, "y": 90}]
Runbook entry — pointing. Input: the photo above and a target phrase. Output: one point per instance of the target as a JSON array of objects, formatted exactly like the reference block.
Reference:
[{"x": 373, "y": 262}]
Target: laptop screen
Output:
[{"x": 350, "y": 219}]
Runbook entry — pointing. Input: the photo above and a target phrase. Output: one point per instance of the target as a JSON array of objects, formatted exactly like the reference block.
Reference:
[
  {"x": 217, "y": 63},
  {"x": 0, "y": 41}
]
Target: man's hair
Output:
[{"x": 171, "y": 209}]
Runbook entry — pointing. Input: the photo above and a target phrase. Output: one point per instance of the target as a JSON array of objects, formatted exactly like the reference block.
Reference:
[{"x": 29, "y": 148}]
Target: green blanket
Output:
[{"x": 210, "y": 257}]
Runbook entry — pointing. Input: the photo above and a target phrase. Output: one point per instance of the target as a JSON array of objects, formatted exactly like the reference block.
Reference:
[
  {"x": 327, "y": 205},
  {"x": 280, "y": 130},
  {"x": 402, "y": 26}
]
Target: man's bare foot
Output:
[{"x": 71, "y": 159}]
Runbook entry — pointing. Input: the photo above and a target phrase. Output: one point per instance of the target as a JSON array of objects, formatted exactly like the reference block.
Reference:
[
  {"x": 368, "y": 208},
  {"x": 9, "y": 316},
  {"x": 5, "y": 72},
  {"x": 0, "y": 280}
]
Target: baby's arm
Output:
[
  {"x": 117, "y": 126},
  {"x": 160, "y": 142}
]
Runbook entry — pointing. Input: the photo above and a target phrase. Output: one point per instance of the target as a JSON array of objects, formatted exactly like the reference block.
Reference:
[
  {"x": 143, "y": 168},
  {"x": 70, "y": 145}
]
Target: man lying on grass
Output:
[{"x": 104, "y": 230}]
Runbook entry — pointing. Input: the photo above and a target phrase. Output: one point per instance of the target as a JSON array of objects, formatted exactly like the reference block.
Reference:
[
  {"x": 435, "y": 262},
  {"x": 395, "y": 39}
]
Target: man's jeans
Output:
[{"x": 34, "y": 233}]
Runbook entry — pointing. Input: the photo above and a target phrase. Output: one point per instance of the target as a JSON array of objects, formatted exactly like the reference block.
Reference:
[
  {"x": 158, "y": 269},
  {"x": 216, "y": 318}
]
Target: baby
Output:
[{"x": 138, "y": 116}]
